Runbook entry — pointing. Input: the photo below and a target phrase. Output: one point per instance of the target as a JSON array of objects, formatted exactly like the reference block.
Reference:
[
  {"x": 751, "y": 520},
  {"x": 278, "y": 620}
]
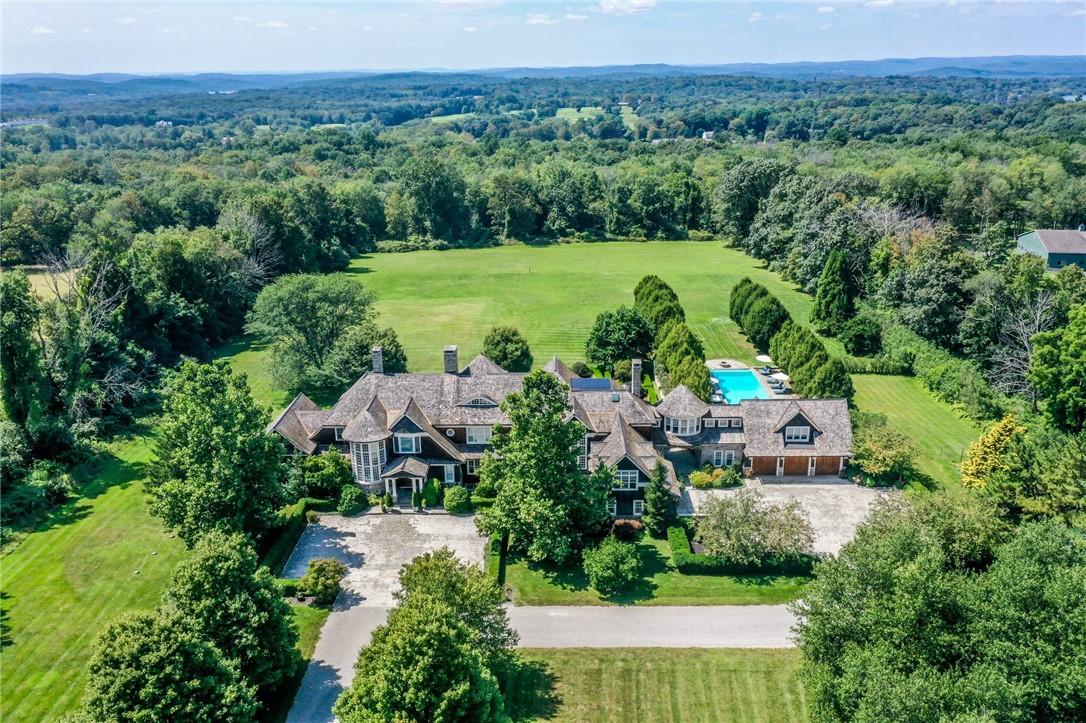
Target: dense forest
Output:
[{"x": 161, "y": 218}]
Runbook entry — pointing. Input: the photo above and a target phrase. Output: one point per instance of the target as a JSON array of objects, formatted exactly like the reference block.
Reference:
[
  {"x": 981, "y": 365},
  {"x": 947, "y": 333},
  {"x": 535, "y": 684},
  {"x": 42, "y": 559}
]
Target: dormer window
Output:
[
  {"x": 682, "y": 427},
  {"x": 338, "y": 431},
  {"x": 408, "y": 443},
  {"x": 480, "y": 402},
  {"x": 797, "y": 434}
]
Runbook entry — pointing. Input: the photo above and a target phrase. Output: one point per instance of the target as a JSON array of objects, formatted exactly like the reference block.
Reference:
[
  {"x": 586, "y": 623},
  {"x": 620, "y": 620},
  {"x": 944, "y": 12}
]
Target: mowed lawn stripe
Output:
[
  {"x": 66, "y": 581},
  {"x": 938, "y": 432},
  {"x": 656, "y": 685}
]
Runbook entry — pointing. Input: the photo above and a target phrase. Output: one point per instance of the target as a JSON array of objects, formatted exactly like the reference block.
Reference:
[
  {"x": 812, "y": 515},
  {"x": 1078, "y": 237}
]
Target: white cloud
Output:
[
  {"x": 575, "y": 17},
  {"x": 1080, "y": 11},
  {"x": 243, "y": 19},
  {"x": 626, "y": 7},
  {"x": 879, "y": 3},
  {"x": 42, "y": 30},
  {"x": 470, "y": 29},
  {"x": 541, "y": 19},
  {"x": 278, "y": 24},
  {"x": 171, "y": 31},
  {"x": 368, "y": 28},
  {"x": 86, "y": 30},
  {"x": 825, "y": 26},
  {"x": 127, "y": 20},
  {"x": 827, "y": 9},
  {"x": 312, "y": 28},
  {"x": 756, "y": 17}
]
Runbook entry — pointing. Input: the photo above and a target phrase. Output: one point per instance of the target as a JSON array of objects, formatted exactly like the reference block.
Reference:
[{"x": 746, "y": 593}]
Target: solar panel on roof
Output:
[{"x": 591, "y": 385}]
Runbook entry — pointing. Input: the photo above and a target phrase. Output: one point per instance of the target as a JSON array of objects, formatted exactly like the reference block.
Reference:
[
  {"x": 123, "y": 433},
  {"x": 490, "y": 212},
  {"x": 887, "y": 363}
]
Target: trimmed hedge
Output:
[
  {"x": 689, "y": 562},
  {"x": 876, "y": 365},
  {"x": 496, "y": 550},
  {"x": 281, "y": 540},
  {"x": 481, "y": 503},
  {"x": 288, "y": 586}
]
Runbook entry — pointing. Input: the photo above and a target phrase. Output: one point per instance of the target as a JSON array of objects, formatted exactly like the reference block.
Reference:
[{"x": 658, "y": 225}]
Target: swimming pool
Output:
[{"x": 739, "y": 384}]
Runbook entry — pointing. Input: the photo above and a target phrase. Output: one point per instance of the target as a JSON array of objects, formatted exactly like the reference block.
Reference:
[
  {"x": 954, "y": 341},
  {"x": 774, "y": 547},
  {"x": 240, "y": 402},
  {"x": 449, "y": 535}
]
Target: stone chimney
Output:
[
  {"x": 451, "y": 365},
  {"x": 378, "y": 360},
  {"x": 635, "y": 377}
]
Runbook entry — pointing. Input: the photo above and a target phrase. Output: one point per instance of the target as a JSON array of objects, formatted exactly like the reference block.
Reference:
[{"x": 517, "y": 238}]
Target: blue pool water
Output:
[{"x": 738, "y": 384}]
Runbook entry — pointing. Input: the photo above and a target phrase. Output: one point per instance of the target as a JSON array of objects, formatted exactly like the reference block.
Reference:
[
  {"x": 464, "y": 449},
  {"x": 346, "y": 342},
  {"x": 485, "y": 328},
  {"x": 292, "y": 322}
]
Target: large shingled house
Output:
[{"x": 400, "y": 430}]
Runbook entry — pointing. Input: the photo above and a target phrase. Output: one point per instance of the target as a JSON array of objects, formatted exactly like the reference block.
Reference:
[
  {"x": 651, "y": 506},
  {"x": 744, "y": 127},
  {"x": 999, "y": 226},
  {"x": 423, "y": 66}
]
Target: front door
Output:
[
  {"x": 780, "y": 466},
  {"x": 811, "y": 463}
]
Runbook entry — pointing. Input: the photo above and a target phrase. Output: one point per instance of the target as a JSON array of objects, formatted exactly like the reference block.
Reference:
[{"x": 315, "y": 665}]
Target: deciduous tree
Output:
[{"x": 507, "y": 348}]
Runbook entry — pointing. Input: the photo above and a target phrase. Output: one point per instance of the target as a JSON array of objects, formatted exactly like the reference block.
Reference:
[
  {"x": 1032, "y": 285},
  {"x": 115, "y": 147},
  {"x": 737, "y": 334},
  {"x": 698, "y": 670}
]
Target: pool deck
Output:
[{"x": 733, "y": 365}]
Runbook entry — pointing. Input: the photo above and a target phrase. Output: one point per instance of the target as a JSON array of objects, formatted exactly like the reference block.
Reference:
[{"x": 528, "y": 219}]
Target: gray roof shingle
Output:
[
  {"x": 681, "y": 403},
  {"x": 764, "y": 418}
]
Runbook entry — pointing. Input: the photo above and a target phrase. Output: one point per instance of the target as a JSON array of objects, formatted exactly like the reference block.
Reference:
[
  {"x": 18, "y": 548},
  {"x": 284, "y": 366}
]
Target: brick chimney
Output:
[
  {"x": 378, "y": 360},
  {"x": 635, "y": 377},
  {"x": 451, "y": 365}
]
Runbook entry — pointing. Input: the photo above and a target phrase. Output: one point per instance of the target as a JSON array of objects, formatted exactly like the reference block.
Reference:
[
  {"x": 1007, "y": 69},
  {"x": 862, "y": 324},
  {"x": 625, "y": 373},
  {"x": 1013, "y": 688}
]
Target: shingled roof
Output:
[
  {"x": 764, "y": 418},
  {"x": 290, "y": 425},
  {"x": 1062, "y": 241},
  {"x": 681, "y": 403}
]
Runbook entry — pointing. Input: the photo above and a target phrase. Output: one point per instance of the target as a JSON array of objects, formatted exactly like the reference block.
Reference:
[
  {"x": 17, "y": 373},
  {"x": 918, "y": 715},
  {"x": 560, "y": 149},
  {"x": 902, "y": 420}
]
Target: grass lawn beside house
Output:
[
  {"x": 661, "y": 584},
  {"x": 309, "y": 621},
  {"x": 621, "y": 685},
  {"x": 553, "y": 294},
  {"x": 938, "y": 432}
]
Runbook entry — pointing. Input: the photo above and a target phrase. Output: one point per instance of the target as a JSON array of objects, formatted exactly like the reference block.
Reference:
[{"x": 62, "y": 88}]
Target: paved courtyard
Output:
[
  {"x": 836, "y": 507},
  {"x": 374, "y": 547}
]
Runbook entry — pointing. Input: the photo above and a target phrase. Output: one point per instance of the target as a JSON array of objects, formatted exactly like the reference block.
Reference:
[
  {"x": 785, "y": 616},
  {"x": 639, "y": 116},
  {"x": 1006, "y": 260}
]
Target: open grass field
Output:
[
  {"x": 661, "y": 584},
  {"x": 65, "y": 581},
  {"x": 939, "y": 433},
  {"x": 573, "y": 114},
  {"x": 553, "y": 294},
  {"x": 654, "y": 685},
  {"x": 75, "y": 572}
]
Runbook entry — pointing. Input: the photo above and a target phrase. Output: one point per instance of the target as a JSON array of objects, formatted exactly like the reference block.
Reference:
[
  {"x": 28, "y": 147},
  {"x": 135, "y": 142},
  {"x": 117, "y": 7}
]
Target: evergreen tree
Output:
[
  {"x": 659, "y": 503},
  {"x": 832, "y": 381},
  {"x": 987, "y": 454},
  {"x": 692, "y": 372},
  {"x": 507, "y": 347},
  {"x": 833, "y": 300},
  {"x": 23, "y": 388}
]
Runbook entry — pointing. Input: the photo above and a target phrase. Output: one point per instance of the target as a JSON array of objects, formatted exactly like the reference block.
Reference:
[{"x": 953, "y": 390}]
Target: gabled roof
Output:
[
  {"x": 406, "y": 465},
  {"x": 414, "y": 412},
  {"x": 481, "y": 365},
  {"x": 791, "y": 412},
  {"x": 556, "y": 367},
  {"x": 762, "y": 417},
  {"x": 1062, "y": 241},
  {"x": 625, "y": 443},
  {"x": 368, "y": 425},
  {"x": 681, "y": 403},
  {"x": 290, "y": 426}
]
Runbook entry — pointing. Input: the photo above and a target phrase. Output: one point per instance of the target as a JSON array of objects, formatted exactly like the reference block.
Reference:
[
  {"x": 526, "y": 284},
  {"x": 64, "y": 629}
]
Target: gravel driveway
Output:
[{"x": 374, "y": 547}]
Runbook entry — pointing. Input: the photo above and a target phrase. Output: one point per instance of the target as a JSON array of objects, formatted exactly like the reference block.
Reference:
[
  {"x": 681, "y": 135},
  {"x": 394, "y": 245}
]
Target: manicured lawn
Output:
[
  {"x": 309, "y": 621},
  {"x": 76, "y": 571},
  {"x": 662, "y": 584},
  {"x": 553, "y": 294},
  {"x": 68, "y": 579},
  {"x": 658, "y": 685},
  {"x": 571, "y": 114},
  {"x": 939, "y": 433}
]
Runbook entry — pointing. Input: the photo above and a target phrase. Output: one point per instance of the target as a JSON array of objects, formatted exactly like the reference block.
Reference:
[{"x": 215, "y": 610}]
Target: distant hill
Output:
[{"x": 26, "y": 93}]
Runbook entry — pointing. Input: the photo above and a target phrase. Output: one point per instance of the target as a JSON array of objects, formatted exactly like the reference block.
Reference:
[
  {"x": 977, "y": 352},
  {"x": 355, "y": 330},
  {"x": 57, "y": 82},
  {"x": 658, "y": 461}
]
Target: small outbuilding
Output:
[{"x": 1058, "y": 247}]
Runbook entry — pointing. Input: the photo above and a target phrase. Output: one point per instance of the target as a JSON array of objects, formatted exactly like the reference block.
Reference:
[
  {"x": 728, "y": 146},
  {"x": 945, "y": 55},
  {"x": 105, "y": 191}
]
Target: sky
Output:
[{"x": 188, "y": 37}]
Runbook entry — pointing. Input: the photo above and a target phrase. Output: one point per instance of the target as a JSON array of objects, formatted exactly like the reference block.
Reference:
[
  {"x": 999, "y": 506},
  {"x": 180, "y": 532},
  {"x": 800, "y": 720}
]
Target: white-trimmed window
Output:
[
  {"x": 710, "y": 423},
  {"x": 625, "y": 479},
  {"x": 737, "y": 422},
  {"x": 798, "y": 433},
  {"x": 473, "y": 466},
  {"x": 612, "y": 506},
  {"x": 338, "y": 431},
  {"x": 723, "y": 457},
  {"x": 682, "y": 427},
  {"x": 480, "y": 402},
  {"x": 450, "y": 474},
  {"x": 407, "y": 443},
  {"x": 638, "y": 508},
  {"x": 480, "y": 435},
  {"x": 582, "y": 452},
  {"x": 367, "y": 458}
]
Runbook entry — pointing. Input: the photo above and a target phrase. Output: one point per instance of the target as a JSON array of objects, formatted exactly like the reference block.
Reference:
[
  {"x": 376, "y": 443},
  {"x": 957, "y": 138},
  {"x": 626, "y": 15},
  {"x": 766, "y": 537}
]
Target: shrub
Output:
[
  {"x": 457, "y": 499},
  {"x": 861, "y": 335},
  {"x": 433, "y": 492},
  {"x": 312, "y": 516},
  {"x": 322, "y": 579},
  {"x": 612, "y": 565},
  {"x": 352, "y": 500},
  {"x": 715, "y": 478},
  {"x": 622, "y": 370},
  {"x": 627, "y": 530},
  {"x": 53, "y": 480},
  {"x": 290, "y": 523},
  {"x": 416, "y": 499},
  {"x": 288, "y": 586},
  {"x": 581, "y": 369},
  {"x": 744, "y": 529},
  {"x": 688, "y": 562},
  {"x": 485, "y": 488},
  {"x": 325, "y": 474}
]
